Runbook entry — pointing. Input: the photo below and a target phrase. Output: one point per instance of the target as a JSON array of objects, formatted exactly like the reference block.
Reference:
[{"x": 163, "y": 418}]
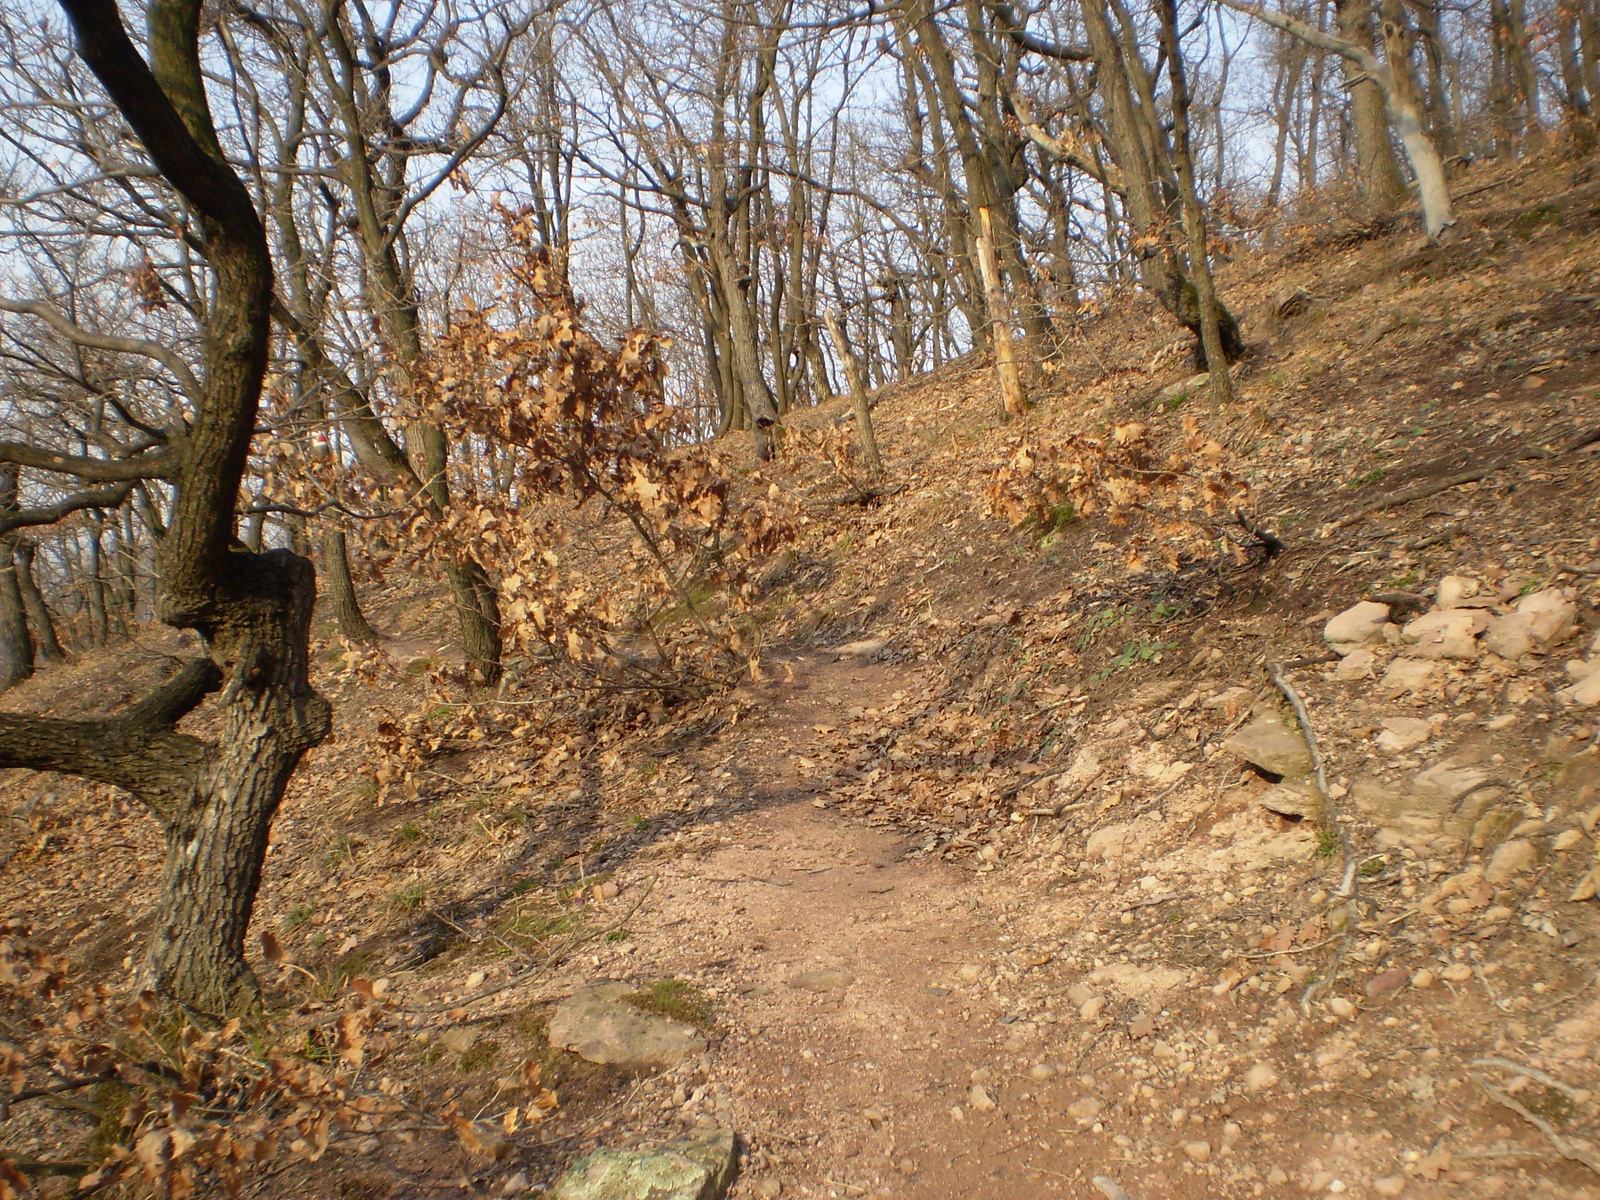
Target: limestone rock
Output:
[
  {"x": 1447, "y": 633},
  {"x": 825, "y": 980},
  {"x": 1109, "y": 841},
  {"x": 698, "y": 1167},
  {"x": 1295, "y": 799},
  {"x": 1405, "y": 675},
  {"x": 1509, "y": 860},
  {"x": 1358, "y": 664},
  {"x": 1552, "y": 616},
  {"x": 1191, "y": 386},
  {"x": 1403, "y": 733},
  {"x": 598, "y": 1026},
  {"x": 1269, "y": 743},
  {"x": 1453, "y": 589},
  {"x": 1585, "y": 692},
  {"x": 1356, "y": 626},
  {"x": 1510, "y": 636}
]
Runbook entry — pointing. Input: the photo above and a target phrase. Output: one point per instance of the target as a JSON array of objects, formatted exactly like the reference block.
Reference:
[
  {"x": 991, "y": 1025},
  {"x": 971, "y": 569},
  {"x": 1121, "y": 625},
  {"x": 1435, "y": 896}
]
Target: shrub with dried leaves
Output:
[{"x": 1179, "y": 501}]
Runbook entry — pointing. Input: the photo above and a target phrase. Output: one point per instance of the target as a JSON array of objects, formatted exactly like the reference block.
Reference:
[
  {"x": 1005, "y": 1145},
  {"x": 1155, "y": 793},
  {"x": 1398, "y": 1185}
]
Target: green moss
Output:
[
  {"x": 675, "y": 999},
  {"x": 480, "y": 1056},
  {"x": 409, "y": 897},
  {"x": 111, "y": 1098}
]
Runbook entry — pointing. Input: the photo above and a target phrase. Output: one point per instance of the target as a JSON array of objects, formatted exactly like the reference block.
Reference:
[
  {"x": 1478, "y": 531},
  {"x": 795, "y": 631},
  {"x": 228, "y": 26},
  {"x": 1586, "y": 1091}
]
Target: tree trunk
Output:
[
  {"x": 16, "y": 645},
  {"x": 1377, "y": 173},
  {"x": 858, "y": 394},
  {"x": 352, "y": 622},
  {"x": 1194, "y": 221},
  {"x": 1012, "y": 395},
  {"x": 217, "y": 837},
  {"x": 47, "y": 644}
]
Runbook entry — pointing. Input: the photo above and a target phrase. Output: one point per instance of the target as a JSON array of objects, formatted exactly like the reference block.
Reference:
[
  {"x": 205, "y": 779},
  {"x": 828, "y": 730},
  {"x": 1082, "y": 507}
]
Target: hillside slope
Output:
[{"x": 992, "y": 782}]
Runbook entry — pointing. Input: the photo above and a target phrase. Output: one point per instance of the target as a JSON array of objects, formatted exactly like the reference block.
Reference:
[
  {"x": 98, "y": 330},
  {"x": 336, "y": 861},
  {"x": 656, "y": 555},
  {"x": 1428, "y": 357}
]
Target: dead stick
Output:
[
  {"x": 1347, "y": 888},
  {"x": 1565, "y": 1148}
]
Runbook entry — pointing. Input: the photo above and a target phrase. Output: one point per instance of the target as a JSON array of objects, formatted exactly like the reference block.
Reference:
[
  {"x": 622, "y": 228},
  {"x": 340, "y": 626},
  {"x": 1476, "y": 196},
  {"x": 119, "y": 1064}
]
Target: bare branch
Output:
[
  {"x": 110, "y": 496},
  {"x": 100, "y": 470},
  {"x": 164, "y": 355}
]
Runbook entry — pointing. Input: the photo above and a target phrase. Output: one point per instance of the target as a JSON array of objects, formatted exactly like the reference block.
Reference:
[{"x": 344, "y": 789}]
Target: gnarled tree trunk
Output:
[{"x": 46, "y": 644}]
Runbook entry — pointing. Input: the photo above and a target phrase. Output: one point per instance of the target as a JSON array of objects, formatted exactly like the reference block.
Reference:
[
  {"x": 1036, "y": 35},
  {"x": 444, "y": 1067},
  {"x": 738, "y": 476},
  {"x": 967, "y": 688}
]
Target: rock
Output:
[
  {"x": 1567, "y": 839},
  {"x": 458, "y": 1040},
  {"x": 1509, "y": 860},
  {"x": 1092, "y": 1008},
  {"x": 595, "y": 1024},
  {"x": 1259, "y": 1077},
  {"x": 1041, "y": 1072},
  {"x": 1403, "y": 733},
  {"x": 515, "y": 1185},
  {"x": 979, "y": 1100},
  {"x": 1269, "y": 743},
  {"x": 1405, "y": 675},
  {"x": 1551, "y": 614},
  {"x": 1358, "y": 664},
  {"x": 1580, "y": 669},
  {"x": 1389, "y": 1185},
  {"x": 1356, "y": 626},
  {"x": 1297, "y": 799},
  {"x": 698, "y": 1167},
  {"x": 1084, "y": 1108},
  {"x": 1342, "y": 1007},
  {"x": 1109, "y": 841},
  {"x": 767, "y": 1188},
  {"x": 1586, "y": 692},
  {"x": 1453, "y": 589},
  {"x": 969, "y": 973},
  {"x": 1510, "y": 636},
  {"x": 863, "y": 649},
  {"x": 1388, "y": 981},
  {"x": 825, "y": 980},
  {"x": 1451, "y": 633},
  {"x": 1423, "y": 979},
  {"x": 1199, "y": 1152},
  {"x": 1191, "y": 386}
]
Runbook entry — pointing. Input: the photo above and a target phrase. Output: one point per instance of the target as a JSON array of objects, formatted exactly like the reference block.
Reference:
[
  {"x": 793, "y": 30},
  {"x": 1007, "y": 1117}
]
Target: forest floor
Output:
[{"x": 971, "y": 893}]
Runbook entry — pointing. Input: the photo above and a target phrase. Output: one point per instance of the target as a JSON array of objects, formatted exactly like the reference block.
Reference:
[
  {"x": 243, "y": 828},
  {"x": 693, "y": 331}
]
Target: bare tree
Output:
[{"x": 215, "y": 799}]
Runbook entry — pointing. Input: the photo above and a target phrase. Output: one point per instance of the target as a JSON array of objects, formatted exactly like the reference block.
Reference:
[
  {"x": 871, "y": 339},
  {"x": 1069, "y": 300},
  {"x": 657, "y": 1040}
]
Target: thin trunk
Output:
[
  {"x": 1194, "y": 221},
  {"x": 858, "y": 394},
  {"x": 1012, "y": 394},
  {"x": 46, "y": 643},
  {"x": 352, "y": 622}
]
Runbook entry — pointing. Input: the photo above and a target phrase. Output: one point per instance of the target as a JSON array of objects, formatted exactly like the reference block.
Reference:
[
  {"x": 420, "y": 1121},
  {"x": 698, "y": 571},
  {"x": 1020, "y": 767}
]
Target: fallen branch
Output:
[
  {"x": 1347, "y": 887},
  {"x": 1563, "y": 1147},
  {"x": 1576, "y": 1095},
  {"x": 1472, "y": 475}
]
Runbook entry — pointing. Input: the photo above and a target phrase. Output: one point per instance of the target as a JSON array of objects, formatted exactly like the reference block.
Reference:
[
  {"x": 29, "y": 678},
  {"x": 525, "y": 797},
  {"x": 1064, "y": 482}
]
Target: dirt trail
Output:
[{"x": 858, "y": 1078}]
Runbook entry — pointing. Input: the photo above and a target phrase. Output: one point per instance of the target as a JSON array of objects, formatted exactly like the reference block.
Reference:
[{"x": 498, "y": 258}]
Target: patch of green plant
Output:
[
  {"x": 433, "y": 1054},
  {"x": 617, "y": 935},
  {"x": 409, "y": 897},
  {"x": 1164, "y": 611},
  {"x": 1372, "y": 867},
  {"x": 639, "y": 822},
  {"x": 1371, "y": 476},
  {"x": 299, "y": 915},
  {"x": 1131, "y": 654},
  {"x": 480, "y": 1056},
  {"x": 409, "y": 832},
  {"x": 1524, "y": 223},
  {"x": 439, "y": 712},
  {"x": 1107, "y": 619},
  {"x": 367, "y": 789},
  {"x": 340, "y": 851},
  {"x": 675, "y": 999},
  {"x": 1550, "y": 1104},
  {"x": 1401, "y": 582},
  {"x": 419, "y": 666},
  {"x": 110, "y": 1099},
  {"x": 1169, "y": 403},
  {"x": 1327, "y": 843},
  {"x": 532, "y": 927}
]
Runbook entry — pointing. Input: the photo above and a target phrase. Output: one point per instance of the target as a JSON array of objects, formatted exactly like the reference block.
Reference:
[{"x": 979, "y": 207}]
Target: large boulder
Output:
[
  {"x": 598, "y": 1025},
  {"x": 1271, "y": 743},
  {"x": 698, "y": 1167},
  {"x": 1356, "y": 626}
]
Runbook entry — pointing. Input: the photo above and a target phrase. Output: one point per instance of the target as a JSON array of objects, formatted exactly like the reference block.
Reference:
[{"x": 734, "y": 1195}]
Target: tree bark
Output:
[
  {"x": 1194, "y": 221},
  {"x": 47, "y": 645},
  {"x": 1377, "y": 173},
  {"x": 16, "y": 645},
  {"x": 858, "y": 393},
  {"x": 341, "y": 589},
  {"x": 1012, "y": 395}
]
